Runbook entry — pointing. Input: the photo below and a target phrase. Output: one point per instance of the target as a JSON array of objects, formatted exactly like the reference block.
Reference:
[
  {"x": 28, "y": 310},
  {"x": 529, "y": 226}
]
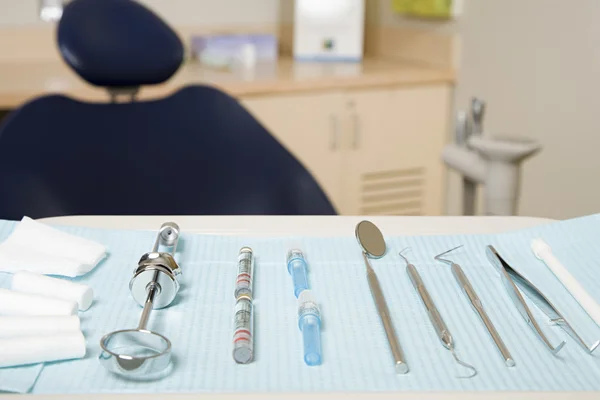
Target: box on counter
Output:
[{"x": 231, "y": 50}]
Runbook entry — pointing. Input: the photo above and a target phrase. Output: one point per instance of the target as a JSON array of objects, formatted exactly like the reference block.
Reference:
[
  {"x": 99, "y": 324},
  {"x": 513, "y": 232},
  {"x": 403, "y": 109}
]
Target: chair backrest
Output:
[
  {"x": 197, "y": 151},
  {"x": 118, "y": 43}
]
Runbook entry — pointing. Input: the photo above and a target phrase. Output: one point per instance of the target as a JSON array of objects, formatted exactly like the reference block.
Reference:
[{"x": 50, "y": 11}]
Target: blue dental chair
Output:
[{"x": 195, "y": 152}]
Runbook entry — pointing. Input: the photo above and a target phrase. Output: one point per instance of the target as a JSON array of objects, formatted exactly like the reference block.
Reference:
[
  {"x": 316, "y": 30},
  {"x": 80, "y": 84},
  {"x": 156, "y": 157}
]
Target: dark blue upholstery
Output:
[
  {"x": 196, "y": 152},
  {"x": 118, "y": 43}
]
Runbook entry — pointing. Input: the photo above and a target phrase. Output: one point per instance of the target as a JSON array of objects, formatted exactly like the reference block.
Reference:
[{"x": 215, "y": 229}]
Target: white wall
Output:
[
  {"x": 19, "y": 13},
  {"x": 25, "y": 36},
  {"x": 217, "y": 12},
  {"x": 207, "y": 13},
  {"x": 537, "y": 64}
]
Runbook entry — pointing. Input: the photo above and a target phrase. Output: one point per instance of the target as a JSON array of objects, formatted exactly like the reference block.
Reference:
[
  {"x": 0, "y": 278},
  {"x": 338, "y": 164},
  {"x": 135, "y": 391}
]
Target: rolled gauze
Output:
[
  {"x": 30, "y": 282},
  {"x": 37, "y": 349},
  {"x": 16, "y": 303},
  {"x": 17, "y": 327}
]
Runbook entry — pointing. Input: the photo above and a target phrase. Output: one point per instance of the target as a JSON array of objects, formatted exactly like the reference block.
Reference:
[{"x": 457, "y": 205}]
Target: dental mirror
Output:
[{"x": 370, "y": 239}]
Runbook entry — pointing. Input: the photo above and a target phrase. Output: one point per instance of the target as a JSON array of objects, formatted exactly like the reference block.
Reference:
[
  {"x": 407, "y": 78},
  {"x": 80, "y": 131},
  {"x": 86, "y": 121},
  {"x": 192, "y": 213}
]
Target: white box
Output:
[{"x": 329, "y": 30}]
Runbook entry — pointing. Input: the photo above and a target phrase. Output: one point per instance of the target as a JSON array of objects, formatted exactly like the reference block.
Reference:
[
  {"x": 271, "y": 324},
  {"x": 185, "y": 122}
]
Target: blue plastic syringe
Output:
[
  {"x": 309, "y": 322},
  {"x": 297, "y": 268}
]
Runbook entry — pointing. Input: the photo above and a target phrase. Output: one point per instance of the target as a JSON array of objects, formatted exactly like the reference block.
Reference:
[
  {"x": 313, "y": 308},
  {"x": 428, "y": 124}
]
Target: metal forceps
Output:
[
  {"x": 467, "y": 288},
  {"x": 513, "y": 279},
  {"x": 434, "y": 315}
]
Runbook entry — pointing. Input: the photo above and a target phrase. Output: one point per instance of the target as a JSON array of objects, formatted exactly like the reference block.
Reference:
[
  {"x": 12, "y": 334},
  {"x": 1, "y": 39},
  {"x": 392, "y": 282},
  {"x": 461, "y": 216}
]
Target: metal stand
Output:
[{"x": 492, "y": 161}]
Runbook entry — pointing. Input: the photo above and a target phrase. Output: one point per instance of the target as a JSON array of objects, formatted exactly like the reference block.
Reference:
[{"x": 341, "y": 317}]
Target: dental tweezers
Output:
[{"x": 513, "y": 281}]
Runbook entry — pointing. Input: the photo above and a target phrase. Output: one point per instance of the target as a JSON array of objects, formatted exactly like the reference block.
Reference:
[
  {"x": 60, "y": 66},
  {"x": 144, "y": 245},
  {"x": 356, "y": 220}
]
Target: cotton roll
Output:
[
  {"x": 14, "y": 327},
  {"x": 30, "y": 282},
  {"x": 33, "y": 350},
  {"x": 543, "y": 252},
  {"x": 16, "y": 303}
]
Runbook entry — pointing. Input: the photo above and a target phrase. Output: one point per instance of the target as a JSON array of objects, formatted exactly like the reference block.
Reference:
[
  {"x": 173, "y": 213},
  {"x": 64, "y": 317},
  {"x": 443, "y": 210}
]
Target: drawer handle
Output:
[
  {"x": 356, "y": 132},
  {"x": 334, "y": 132}
]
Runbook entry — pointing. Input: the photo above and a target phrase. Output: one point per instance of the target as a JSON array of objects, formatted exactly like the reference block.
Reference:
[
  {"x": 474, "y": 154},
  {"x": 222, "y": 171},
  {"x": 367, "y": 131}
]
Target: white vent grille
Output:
[{"x": 393, "y": 192}]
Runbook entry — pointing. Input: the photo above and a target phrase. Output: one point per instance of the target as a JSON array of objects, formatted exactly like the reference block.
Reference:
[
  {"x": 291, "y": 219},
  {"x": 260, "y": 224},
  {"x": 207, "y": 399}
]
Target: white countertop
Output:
[
  {"x": 22, "y": 81},
  {"x": 306, "y": 226}
]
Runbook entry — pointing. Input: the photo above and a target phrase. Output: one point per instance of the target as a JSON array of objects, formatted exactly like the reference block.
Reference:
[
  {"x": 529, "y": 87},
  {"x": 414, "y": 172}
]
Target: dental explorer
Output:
[
  {"x": 467, "y": 288},
  {"x": 372, "y": 244},
  {"x": 434, "y": 315}
]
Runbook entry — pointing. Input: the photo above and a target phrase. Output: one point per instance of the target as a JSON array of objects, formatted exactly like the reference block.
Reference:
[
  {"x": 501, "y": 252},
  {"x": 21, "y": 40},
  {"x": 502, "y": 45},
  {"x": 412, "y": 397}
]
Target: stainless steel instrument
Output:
[
  {"x": 511, "y": 278},
  {"x": 467, "y": 288},
  {"x": 513, "y": 281},
  {"x": 477, "y": 112},
  {"x": 476, "y": 128},
  {"x": 373, "y": 245},
  {"x": 434, "y": 316},
  {"x": 140, "y": 353}
]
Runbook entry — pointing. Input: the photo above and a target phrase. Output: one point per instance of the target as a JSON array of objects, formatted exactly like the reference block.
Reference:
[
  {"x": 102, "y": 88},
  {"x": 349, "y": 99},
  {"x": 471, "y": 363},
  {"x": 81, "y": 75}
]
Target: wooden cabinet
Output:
[
  {"x": 310, "y": 127},
  {"x": 374, "y": 152},
  {"x": 393, "y": 166}
]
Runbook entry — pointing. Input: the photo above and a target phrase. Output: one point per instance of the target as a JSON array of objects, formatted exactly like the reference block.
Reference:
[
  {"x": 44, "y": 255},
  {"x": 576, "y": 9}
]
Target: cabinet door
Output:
[
  {"x": 393, "y": 163},
  {"x": 309, "y": 126}
]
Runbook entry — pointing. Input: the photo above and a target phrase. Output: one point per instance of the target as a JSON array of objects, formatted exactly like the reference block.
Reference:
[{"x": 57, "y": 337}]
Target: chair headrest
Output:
[{"x": 118, "y": 43}]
